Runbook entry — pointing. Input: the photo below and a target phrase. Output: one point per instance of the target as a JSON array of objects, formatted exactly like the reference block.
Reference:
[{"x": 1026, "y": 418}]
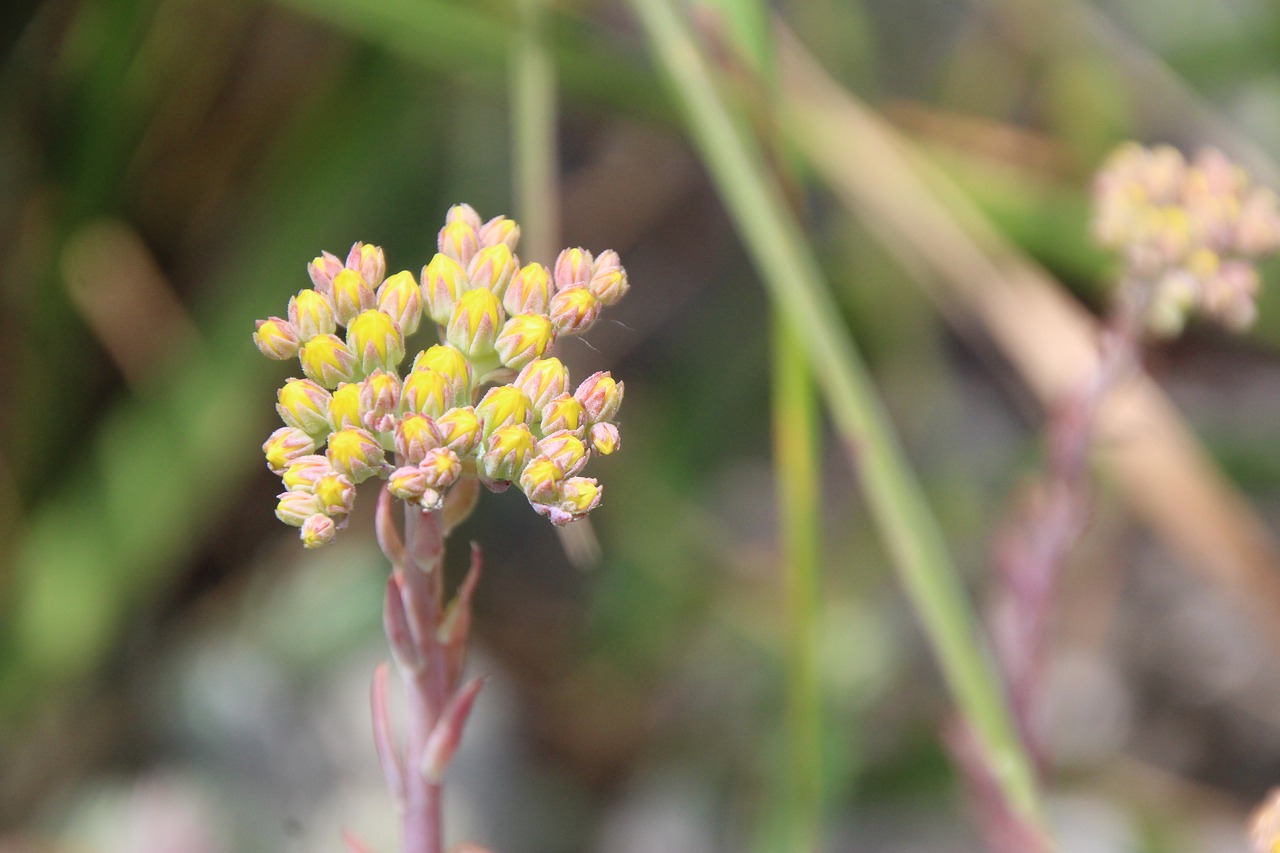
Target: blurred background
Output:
[{"x": 178, "y": 674}]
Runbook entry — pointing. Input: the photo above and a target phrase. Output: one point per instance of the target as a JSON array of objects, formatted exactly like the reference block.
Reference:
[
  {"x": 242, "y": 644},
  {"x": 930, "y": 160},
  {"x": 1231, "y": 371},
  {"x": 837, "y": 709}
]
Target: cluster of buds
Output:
[
  {"x": 1189, "y": 232},
  {"x": 488, "y": 403}
]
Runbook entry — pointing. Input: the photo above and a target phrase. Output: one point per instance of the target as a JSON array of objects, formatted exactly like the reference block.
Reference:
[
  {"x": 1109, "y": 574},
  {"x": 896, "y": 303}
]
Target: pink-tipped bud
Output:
[
  {"x": 317, "y": 531},
  {"x": 401, "y": 298},
  {"x": 506, "y": 453},
  {"x": 566, "y": 450},
  {"x": 574, "y": 311},
  {"x": 344, "y": 409},
  {"x": 379, "y": 401},
  {"x": 296, "y": 507},
  {"x": 524, "y": 338},
  {"x": 460, "y": 430},
  {"x": 303, "y": 404},
  {"x": 563, "y": 412},
  {"x": 441, "y": 467},
  {"x": 276, "y": 338},
  {"x": 473, "y": 326},
  {"x": 492, "y": 268},
  {"x": 352, "y": 294},
  {"x": 578, "y": 496},
  {"x": 540, "y": 480},
  {"x": 301, "y": 474},
  {"x": 530, "y": 291},
  {"x": 443, "y": 282},
  {"x": 500, "y": 230},
  {"x": 357, "y": 454},
  {"x": 542, "y": 380},
  {"x": 336, "y": 494},
  {"x": 600, "y": 397},
  {"x": 376, "y": 341},
  {"x": 415, "y": 435},
  {"x": 605, "y": 438},
  {"x": 608, "y": 278},
  {"x": 285, "y": 445},
  {"x": 408, "y": 483},
  {"x": 369, "y": 261},
  {"x": 459, "y": 241},
  {"x": 450, "y": 363},
  {"x": 573, "y": 269},
  {"x": 311, "y": 313},
  {"x": 322, "y": 271},
  {"x": 327, "y": 360},
  {"x": 464, "y": 213},
  {"x": 426, "y": 393},
  {"x": 501, "y": 406}
]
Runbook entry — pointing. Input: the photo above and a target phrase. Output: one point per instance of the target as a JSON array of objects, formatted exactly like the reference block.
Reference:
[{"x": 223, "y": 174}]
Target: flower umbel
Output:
[{"x": 454, "y": 413}]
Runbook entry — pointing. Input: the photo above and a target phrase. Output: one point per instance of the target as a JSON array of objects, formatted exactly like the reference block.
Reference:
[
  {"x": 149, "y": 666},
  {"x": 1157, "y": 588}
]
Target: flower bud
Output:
[
  {"x": 450, "y": 363},
  {"x": 369, "y": 261},
  {"x": 524, "y": 338},
  {"x": 542, "y": 380},
  {"x": 600, "y": 396},
  {"x": 501, "y": 406},
  {"x": 336, "y": 494},
  {"x": 301, "y": 474},
  {"x": 425, "y": 392},
  {"x": 344, "y": 409},
  {"x": 351, "y": 295},
  {"x": 276, "y": 338},
  {"x": 443, "y": 283},
  {"x": 296, "y": 507},
  {"x": 401, "y": 298},
  {"x": 529, "y": 292},
  {"x": 474, "y": 323},
  {"x": 376, "y": 341},
  {"x": 566, "y": 450},
  {"x": 285, "y": 445},
  {"x": 604, "y": 438},
  {"x": 464, "y": 213},
  {"x": 311, "y": 313},
  {"x": 460, "y": 430},
  {"x": 540, "y": 480},
  {"x": 441, "y": 468},
  {"x": 318, "y": 530},
  {"x": 328, "y": 361},
  {"x": 304, "y": 405},
  {"x": 506, "y": 452},
  {"x": 459, "y": 241},
  {"x": 580, "y": 495},
  {"x": 322, "y": 271},
  {"x": 379, "y": 401},
  {"x": 407, "y": 483},
  {"x": 415, "y": 435},
  {"x": 573, "y": 269},
  {"x": 608, "y": 278},
  {"x": 498, "y": 230},
  {"x": 564, "y": 412},
  {"x": 574, "y": 311},
  {"x": 492, "y": 269},
  {"x": 356, "y": 453}
]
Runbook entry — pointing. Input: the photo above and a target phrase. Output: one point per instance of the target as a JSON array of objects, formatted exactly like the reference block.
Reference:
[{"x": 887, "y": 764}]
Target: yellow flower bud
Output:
[
  {"x": 542, "y": 380},
  {"x": 450, "y": 363},
  {"x": 276, "y": 338},
  {"x": 408, "y": 483},
  {"x": 580, "y": 495},
  {"x": 441, "y": 467},
  {"x": 574, "y": 311},
  {"x": 415, "y": 435},
  {"x": 540, "y": 480},
  {"x": 605, "y": 438},
  {"x": 460, "y": 430},
  {"x": 573, "y": 269},
  {"x": 376, "y": 341},
  {"x": 336, "y": 494},
  {"x": 507, "y": 451},
  {"x": 608, "y": 278},
  {"x": 356, "y": 453},
  {"x": 502, "y": 406},
  {"x": 465, "y": 214},
  {"x": 474, "y": 323},
  {"x": 328, "y": 361},
  {"x": 318, "y": 530},
  {"x": 566, "y": 450},
  {"x": 351, "y": 295},
  {"x": 564, "y": 412},
  {"x": 344, "y": 410},
  {"x": 312, "y": 314},
  {"x": 304, "y": 405},
  {"x": 524, "y": 338},
  {"x": 529, "y": 292},
  {"x": 379, "y": 401},
  {"x": 425, "y": 392},
  {"x": 500, "y": 229},
  {"x": 443, "y": 283},
  {"x": 301, "y": 474},
  {"x": 322, "y": 270},
  {"x": 296, "y": 507},
  {"x": 459, "y": 241},
  {"x": 492, "y": 269},
  {"x": 401, "y": 298},
  {"x": 368, "y": 260},
  {"x": 285, "y": 445},
  {"x": 600, "y": 396}
]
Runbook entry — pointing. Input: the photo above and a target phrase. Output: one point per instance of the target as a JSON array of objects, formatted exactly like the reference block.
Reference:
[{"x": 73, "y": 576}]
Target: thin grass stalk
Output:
[
  {"x": 533, "y": 123},
  {"x": 792, "y": 276}
]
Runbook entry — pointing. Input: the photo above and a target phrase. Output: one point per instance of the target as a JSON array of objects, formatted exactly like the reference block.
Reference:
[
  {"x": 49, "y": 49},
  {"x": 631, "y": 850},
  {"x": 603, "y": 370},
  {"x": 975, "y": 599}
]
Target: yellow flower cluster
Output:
[
  {"x": 1189, "y": 232},
  {"x": 488, "y": 401}
]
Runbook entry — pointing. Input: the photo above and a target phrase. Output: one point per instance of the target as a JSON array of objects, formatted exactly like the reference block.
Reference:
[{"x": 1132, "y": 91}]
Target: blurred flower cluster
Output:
[
  {"x": 1189, "y": 233},
  {"x": 488, "y": 403}
]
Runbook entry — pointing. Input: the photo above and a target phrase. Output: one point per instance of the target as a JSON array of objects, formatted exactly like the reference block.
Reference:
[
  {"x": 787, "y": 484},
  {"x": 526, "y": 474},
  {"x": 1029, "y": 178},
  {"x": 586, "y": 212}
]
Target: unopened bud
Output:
[
  {"x": 492, "y": 269},
  {"x": 608, "y": 278},
  {"x": 450, "y": 363},
  {"x": 506, "y": 453},
  {"x": 415, "y": 435},
  {"x": 540, "y": 480},
  {"x": 580, "y": 495},
  {"x": 285, "y": 445},
  {"x": 464, "y": 213},
  {"x": 524, "y": 338},
  {"x": 502, "y": 406},
  {"x": 426, "y": 392},
  {"x": 322, "y": 270},
  {"x": 574, "y": 311},
  {"x": 356, "y": 453},
  {"x": 301, "y": 474},
  {"x": 407, "y": 483},
  {"x": 328, "y": 361},
  {"x": 443, "y": 283},
  {"x": 459, "y": 241},
  {"x": 542, "y": 380},
  {"x": 563, "y": 412},
  {"x": 379, "y": 400},
  {"x": 303, "y": 404},
  {"x": 296, "y": 507},
  {"x": 351, "y": 295},
  {"x": 600, "y": 397},
  {"x": 369, "y": 261},
  {"x": 311, "y": 312},
  {"x": 376, "y": 341},
  {"x": 336, "y": 494},
  {"x": 460, "y": 430},
  {"x": 529, "y": 292},
  {"x": 317, "y": 531},
  {"x": 401, "y": 298},
  {"x": 474, "y": 324},
  {"x": 502, "y": 230},
  {"x": 573, "y": 269},
  {"x": 566, "y": 450},
  {"x": 604, "y": 438},
  {"x": 276, "y": 338},
  {"x": 441, "y": 467},
  {"x": 344, "y": 409}
]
